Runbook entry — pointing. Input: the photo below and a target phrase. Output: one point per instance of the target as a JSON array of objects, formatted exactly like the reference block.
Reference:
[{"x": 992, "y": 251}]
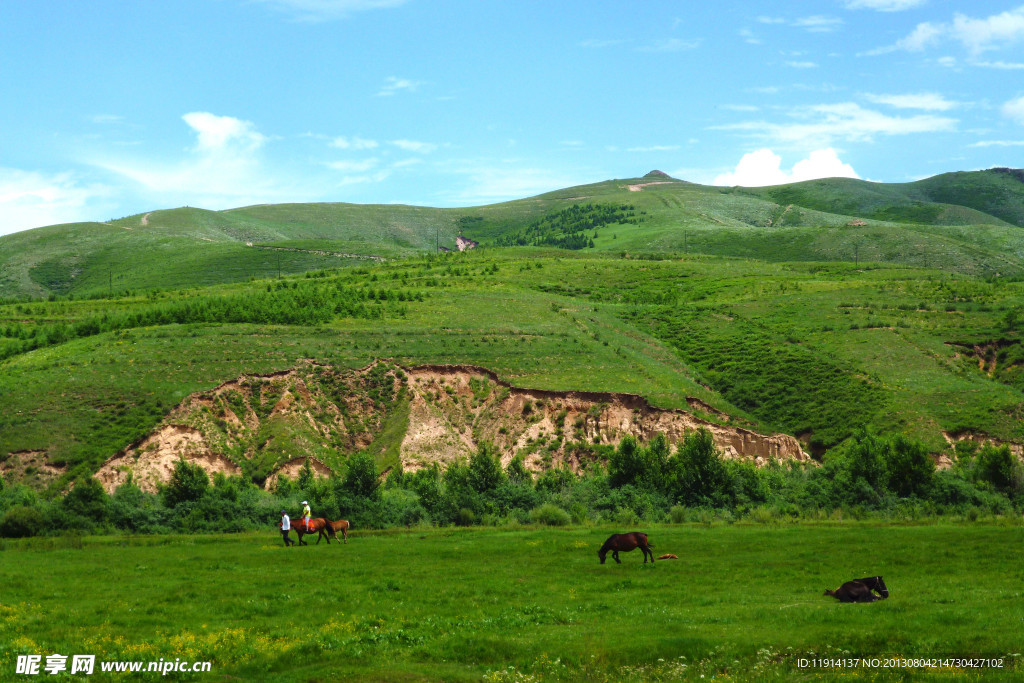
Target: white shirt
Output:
[{"x": 286, "y": 523}]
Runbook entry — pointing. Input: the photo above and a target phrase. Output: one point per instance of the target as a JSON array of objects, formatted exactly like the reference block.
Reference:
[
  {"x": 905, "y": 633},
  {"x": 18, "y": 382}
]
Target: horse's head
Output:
[
  {"x": 602, "y": 553},
  {"x": 881, "y": 587}
]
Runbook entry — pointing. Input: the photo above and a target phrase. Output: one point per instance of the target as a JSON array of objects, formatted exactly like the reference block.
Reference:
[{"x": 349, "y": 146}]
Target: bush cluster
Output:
[{"x": 869, "y": 475}]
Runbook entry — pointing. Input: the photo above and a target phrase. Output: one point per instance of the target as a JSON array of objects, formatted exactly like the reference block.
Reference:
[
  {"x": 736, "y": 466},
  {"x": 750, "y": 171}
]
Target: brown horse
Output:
[
  {"x": 861, "y": 590},
  {"x": 333, "y": 528},
  {"x": 318, "y": 525},
  {"x": 625, "y": 543}
]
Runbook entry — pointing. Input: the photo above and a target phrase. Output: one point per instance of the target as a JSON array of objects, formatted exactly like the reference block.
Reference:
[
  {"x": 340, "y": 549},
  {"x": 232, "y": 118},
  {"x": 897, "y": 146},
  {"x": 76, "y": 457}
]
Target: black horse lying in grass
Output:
[
  {"x": 625, "y": 543},
  {"x": 861, "y": 590}
]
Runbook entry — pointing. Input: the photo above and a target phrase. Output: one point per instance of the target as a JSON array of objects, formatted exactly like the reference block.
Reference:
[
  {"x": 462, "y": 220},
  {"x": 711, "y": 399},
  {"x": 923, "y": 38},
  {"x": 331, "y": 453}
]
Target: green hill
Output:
[
  {"x": 776, "y": 315},
  {"x": 958, "y": 222}
]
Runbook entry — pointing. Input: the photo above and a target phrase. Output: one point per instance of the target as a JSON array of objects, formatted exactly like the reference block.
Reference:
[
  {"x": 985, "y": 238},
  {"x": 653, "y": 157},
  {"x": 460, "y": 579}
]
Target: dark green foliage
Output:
[
  {"x": 910, "y": 467},
  {"x": 485, "y": 473},
  {"x": 305, "y": 480},
  {"x": 550, "y": 514},
  {"x": 696, "y": 474},
  {"x": 87, "y": 501},
  {"x": 188, "y": 484},
  {"x": 361, "y": 477},
  {"x": 21, "y": 521},
  {"x": 566, "y": 229},
  {"x": 995, "y": 465}
]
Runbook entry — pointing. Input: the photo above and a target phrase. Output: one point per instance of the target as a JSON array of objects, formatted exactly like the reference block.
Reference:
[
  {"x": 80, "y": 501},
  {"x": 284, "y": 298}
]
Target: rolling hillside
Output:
[
  {"x": 957, "y": 222},
  {"x": 772, "y": 314}
]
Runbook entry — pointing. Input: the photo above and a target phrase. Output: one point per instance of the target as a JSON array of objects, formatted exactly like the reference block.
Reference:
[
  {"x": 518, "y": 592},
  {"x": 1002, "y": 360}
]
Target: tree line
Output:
[{"x": 870, "y": 476}]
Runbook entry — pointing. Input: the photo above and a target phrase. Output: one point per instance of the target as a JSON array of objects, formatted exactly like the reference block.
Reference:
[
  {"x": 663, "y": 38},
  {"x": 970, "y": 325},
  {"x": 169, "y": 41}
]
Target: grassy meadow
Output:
[{"x": 743, "y": 602}]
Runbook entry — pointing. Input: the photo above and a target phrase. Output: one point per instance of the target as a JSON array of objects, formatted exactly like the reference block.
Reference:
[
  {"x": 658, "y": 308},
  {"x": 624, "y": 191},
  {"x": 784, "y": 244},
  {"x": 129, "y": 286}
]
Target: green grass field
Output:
[{"x": 743, "y": 602}]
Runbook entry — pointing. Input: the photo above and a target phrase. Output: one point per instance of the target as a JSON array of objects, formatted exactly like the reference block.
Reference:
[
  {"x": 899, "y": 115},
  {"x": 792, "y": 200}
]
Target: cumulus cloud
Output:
[
  {"x": 1014, "y": 109},
  {"x": 764, "y": 167},
  {"x": 30, "y": 199},
  {"x": 223, "y": 133},
  {"x": 977, "y": 35}
]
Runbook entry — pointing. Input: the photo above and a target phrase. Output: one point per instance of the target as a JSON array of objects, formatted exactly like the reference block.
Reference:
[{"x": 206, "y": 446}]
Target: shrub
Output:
[
  {"x": 20, "y": 522},
  {"x": 361, "y": 477},
  {"x": 188, "y": 483},
  {"x": 87, "y": 501},
  {"x": 550, "y": 514}
]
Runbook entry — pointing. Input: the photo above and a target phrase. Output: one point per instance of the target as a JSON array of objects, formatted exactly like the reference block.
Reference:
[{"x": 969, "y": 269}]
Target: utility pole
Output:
[{"x": 856, "y": 254}]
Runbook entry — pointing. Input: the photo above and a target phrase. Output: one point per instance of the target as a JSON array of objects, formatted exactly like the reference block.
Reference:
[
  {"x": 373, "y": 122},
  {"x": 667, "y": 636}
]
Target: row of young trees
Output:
[
  {"x": 566, "y": 229},
  {"x": 870, "y": 476}
]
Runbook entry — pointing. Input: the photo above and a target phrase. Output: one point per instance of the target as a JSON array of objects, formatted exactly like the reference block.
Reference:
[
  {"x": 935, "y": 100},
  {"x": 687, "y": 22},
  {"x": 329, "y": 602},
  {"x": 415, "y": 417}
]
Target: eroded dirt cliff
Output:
[{"x": 266, "y": 426}]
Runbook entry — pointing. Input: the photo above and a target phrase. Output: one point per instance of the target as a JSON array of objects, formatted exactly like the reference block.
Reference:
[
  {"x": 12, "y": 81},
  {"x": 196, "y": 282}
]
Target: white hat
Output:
[{"x": 305, "y": 502}]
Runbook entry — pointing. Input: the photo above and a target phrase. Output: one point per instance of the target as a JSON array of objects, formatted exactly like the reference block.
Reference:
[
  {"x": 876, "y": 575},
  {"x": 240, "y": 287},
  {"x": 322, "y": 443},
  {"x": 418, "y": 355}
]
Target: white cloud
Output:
[
  {"x": 1009, "y": 66},
  {"x": 222, "y": 133},
  {"x": 818, "y": 23},
  {"x": 395, "y": 85},
  {"x": 1014, "y": 109},
  {"x": 928, "y": 101},
  {"x": 353, "y": 143},
  {"x": 223, "y": 170},
  {"x": 884, "y": 5},
  {"x": 982, "y": 34},
  {"x": 353, "y": 166},
  {"x": 975, "y": 35},
  {"x": 414, "y": 146},
  {"x": 30, "y": 199},
  {"x": 998, "y": 143},
  {"x": 820, "y": 125},
  {"x": 802, "y": 65},
  {"x": 325, "y": 10},
  {"x": 764, "y": 167}
]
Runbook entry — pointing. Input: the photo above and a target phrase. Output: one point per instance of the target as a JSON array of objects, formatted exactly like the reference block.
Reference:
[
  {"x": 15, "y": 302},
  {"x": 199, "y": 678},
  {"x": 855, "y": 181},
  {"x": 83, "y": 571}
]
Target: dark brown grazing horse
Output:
[
  {"x": 861, "y": 590},
  {"x": 333, "y": 528},
  {"x": 625, "y": 543},
  {"x": 318, "y": 525}
]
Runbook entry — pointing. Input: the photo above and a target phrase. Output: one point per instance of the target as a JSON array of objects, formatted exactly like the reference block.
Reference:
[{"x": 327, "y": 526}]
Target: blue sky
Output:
[{"x": 112, "y": 108}]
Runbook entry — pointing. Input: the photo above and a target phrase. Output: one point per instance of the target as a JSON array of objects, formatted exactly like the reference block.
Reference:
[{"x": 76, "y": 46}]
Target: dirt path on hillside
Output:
[
  {"x": 145, "y": 219},
  {"x": 640, "y": 186}
]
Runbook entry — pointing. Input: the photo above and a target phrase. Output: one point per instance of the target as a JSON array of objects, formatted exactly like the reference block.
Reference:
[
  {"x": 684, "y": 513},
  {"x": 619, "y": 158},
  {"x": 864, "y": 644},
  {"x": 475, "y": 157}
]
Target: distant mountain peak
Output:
[{"x": 657, "y": 174}]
